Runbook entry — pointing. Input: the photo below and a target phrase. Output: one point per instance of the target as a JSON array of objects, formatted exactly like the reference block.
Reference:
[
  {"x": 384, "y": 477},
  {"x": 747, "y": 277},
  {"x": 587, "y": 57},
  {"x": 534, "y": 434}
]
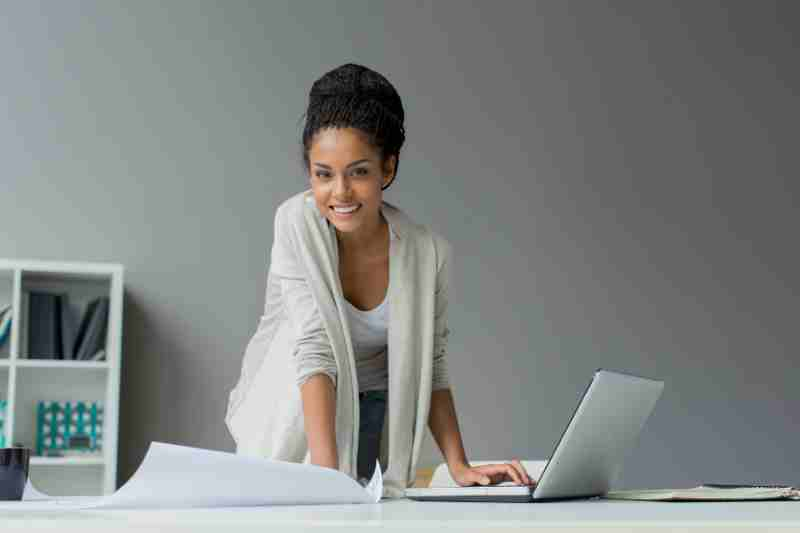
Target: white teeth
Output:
[{"x": 346, "y": 209}]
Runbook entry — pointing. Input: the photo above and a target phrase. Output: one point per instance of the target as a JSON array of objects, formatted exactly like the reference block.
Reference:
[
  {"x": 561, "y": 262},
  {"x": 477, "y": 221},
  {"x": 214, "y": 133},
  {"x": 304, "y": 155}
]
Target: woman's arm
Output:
[
  {"x": 319, "y": 419},
  {"x": 442, "y": 418},
  {"x": 312, "y": 352},
  {"x": 443, "y": 423}
]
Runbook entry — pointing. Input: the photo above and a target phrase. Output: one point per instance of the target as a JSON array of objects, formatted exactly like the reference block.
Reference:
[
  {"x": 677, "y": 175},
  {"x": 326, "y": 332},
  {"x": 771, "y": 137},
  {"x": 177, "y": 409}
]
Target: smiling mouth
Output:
[{"x": 349, "y": 211}]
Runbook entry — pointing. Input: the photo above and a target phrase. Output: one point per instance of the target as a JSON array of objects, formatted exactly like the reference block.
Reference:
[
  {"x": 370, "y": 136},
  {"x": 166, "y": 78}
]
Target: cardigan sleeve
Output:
[
  {"x": 441, "y": 330},
  {"x": 313, "y": 353}
]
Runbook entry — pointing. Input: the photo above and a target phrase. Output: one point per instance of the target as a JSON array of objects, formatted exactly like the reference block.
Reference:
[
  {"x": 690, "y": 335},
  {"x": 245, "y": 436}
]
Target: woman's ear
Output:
[{"x": 389, "y": 170}]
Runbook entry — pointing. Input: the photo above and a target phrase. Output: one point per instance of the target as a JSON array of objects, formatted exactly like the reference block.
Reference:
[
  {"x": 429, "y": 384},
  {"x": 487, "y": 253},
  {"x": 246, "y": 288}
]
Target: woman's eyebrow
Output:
[{"x": 323, "y": 165}]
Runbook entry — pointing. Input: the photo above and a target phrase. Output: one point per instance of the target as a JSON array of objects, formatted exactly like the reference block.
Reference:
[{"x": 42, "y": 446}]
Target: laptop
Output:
[{"x": 602, "y": 431}]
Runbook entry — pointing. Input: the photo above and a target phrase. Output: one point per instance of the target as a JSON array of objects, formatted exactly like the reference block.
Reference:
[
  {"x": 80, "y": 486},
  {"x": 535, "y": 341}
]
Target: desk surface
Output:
[{"x": 405, "y": 515}]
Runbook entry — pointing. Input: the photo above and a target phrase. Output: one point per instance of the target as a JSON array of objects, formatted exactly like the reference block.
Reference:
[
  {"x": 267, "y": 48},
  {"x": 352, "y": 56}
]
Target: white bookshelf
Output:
[{"x": 25, "y": 381}]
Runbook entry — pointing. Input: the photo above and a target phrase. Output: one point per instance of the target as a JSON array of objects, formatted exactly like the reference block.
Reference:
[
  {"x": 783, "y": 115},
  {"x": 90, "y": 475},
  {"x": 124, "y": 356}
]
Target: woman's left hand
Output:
[{"x": 491, "y": 474}]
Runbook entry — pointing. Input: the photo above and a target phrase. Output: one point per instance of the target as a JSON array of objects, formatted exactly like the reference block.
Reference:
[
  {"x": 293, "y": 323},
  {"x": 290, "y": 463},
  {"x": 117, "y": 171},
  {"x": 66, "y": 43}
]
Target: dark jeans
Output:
[{"x": 372, "y": 408}]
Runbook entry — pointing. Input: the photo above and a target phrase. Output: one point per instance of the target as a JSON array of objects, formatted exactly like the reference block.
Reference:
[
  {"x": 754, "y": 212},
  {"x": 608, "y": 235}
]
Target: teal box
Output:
[
  {"x": 3, "y": 407},
  {"x": 69, "y": 428}
]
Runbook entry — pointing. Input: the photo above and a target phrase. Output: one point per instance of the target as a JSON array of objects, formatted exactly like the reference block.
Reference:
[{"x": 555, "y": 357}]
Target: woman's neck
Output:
[{"x": 369, "y": 241}]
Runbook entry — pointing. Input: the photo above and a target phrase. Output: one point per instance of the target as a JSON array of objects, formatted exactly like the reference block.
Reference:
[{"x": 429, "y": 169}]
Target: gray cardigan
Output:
[{"x": 265, "y": 414}]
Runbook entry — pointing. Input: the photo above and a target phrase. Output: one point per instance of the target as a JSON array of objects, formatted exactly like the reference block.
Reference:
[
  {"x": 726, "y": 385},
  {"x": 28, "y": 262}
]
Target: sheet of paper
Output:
[
  {"x": 31, "y": 493},
  {"x": 172, "y": 476}
]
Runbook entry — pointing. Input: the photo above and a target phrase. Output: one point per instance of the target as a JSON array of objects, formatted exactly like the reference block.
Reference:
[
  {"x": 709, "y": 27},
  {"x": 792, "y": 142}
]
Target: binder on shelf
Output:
[
  {"x": 84, "y": 325},
  {"x": 5, "y": 323},
  {"x": 91, "y": 336},
  {"x": 44, "y": 331},
  {"x": 67, "y": 326}
]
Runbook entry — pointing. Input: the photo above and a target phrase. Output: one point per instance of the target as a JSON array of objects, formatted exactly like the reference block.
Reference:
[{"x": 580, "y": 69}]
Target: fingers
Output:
[
  {"x": 515, "y": 475},
  {"x": 506, "y": 472},
  {"x": 497, "y": 473},
  {"x": 522, "y": 472},
  {"x": 502, "y": 472},
  {"x": 492, "y": 474}
]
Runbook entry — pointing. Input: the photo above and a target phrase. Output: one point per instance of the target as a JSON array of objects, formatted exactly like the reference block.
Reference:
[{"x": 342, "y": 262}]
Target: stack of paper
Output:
[{"x": 172, "y": 476}]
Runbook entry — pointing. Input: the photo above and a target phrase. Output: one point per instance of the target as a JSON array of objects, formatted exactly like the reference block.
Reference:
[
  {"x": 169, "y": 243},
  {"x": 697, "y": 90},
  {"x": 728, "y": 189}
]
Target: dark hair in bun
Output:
[{"x": 354, "y": 96}]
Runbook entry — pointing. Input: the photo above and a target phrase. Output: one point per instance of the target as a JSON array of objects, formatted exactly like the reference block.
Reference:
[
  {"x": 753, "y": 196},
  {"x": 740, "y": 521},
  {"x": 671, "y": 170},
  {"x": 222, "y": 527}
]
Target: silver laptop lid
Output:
[{"x": 603, "y": 430}]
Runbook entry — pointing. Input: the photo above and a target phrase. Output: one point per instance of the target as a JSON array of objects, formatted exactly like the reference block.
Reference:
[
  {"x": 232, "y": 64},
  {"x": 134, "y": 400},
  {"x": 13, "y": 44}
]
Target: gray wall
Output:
[{"x": 617, "y": 182}]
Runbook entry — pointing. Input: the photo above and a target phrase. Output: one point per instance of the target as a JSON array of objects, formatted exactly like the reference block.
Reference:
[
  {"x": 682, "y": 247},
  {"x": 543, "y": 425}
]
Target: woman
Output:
[{"x": 328, "y": 378}]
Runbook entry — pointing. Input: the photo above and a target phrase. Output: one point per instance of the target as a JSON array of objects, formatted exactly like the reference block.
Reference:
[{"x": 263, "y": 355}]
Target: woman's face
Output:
[{"x": 345, "y": 171}]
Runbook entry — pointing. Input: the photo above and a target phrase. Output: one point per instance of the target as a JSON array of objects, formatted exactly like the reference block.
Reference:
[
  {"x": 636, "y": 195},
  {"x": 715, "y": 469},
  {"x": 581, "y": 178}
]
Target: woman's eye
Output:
[{"x": 357, "y": 172}]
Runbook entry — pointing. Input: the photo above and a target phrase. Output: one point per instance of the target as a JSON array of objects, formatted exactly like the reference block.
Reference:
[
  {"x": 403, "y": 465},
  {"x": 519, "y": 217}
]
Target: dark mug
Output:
[{"x": 14, "y": 465}]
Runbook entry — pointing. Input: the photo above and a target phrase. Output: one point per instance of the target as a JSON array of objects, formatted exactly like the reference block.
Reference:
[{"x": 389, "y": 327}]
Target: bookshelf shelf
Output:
[
  {"x": 46, "y": 363},
  {"x": 67, "y": 461},
  {"x": 24, "y": 381}
]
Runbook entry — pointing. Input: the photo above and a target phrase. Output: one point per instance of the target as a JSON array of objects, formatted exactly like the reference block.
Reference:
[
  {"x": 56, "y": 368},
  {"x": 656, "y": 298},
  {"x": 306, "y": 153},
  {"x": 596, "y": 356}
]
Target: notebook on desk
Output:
[
  {"x": 710, "y": 493},
  {"x": 602, "y": 430}
]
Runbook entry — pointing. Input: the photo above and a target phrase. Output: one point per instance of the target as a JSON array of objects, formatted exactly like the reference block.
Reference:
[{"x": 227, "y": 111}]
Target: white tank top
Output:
[{"x": 369, "y": 331}]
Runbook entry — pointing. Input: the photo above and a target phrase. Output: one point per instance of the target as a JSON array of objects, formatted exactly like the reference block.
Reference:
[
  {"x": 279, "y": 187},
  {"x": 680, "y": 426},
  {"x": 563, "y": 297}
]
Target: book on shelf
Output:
[
  {"x": 5, "y": 323},
  {"x": 91, "y": 336},
  {"x": 51, "y": 331},
  {"x": 67, "y": 325},
  {"x": 44, "y": 331}
]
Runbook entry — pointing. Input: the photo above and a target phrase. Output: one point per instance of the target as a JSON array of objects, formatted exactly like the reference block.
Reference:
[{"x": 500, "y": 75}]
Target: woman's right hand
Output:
[{"x": 466, "y": 475}]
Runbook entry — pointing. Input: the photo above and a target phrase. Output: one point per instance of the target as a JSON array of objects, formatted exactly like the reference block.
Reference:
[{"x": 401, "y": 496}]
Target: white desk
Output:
[{"x": 417, "y": 517}]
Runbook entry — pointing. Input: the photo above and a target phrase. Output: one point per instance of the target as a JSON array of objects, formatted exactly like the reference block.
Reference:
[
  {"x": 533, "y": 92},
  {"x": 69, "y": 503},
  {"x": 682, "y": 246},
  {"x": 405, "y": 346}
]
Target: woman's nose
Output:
[{"x": 342, "y": 185}]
